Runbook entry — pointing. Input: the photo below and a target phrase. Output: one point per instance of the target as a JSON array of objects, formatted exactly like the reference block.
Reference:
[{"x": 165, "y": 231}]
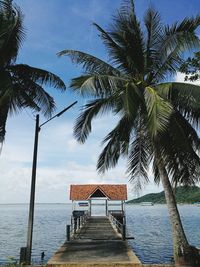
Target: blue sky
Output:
[{"x": 52, "y": 26}]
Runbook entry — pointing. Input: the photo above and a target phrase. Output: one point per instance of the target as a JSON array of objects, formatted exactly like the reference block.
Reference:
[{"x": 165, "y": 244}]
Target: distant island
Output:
[{"x": 184, "y": 194}]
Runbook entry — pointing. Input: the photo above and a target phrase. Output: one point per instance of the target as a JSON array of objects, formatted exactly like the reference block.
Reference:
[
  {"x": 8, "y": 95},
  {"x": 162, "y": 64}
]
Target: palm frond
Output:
[
  {"x": 156, "y": 172},
  {"x": 169, "y": 65},
  {"x": 116, "y": 53},
  {"x": 175, "y": 40},
  {"x": 131, "y": 99},
  {"x": 13, "y": 36},
  {"x": 158, "y": 110},
  {"x": 82, "y": 126},
  {"x": 30, "y": 92},
  {"x": 126, "y": 32},
  {"x": 153, "y": 25},
  {"x": 6, "y": 7},
  {"x": 179, "y": 146},
  {"x": 117, "y": 145},
  {"x": 97, "y": 85},
  {"x": 40, "y": 76},
  {"x": 90, "y": 63},
  {"x": 185, "y": 97},
  {"x": 140, "y": 153}
]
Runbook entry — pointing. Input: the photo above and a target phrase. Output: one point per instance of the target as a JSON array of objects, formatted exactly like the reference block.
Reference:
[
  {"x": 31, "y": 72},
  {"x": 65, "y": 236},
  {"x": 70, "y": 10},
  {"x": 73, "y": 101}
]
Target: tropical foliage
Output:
[
  {"x": 132, "y": 85},
  {"x": 21, "y": 85},
  {"x": 191, "y": 67},
  {"x": 157, "y": 118}
]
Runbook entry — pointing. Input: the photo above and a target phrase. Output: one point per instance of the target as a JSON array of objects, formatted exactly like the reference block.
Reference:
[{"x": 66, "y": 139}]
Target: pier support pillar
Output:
[
  {"x": 90, "y": 203},
  {"x": 22, "y": 255},
  {"x": 68, "y": 232},
  {"x": 106, "y": 207}
]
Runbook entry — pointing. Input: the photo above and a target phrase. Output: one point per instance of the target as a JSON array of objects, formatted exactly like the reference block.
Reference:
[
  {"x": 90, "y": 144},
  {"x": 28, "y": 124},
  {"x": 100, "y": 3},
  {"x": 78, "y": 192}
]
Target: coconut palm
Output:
[
  {"x": 21, "y": 85},
  {"x": 157, "y": 118}
]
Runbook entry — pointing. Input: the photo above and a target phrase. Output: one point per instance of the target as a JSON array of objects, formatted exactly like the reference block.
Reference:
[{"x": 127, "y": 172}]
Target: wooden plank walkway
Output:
[{"x": 97, "y": 244}]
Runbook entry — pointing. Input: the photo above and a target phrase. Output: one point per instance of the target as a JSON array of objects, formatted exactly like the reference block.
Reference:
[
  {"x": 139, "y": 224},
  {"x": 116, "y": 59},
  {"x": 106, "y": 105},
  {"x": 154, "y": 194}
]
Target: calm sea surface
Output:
[{"x": 148, "y": 224}]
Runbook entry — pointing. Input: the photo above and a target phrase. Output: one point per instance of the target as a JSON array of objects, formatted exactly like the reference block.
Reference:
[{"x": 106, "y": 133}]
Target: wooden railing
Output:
[
  {"x": 77, "y": 223},
  {"x": 120, "y": 226}
]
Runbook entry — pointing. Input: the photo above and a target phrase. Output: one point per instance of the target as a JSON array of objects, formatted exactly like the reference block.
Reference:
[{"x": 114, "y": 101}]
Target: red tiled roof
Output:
[{"x": 112, "y": 191}]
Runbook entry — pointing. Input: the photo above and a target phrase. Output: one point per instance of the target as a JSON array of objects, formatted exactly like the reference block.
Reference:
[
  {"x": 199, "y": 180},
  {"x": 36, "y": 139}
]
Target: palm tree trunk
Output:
[{"x": 184, "y": 254}]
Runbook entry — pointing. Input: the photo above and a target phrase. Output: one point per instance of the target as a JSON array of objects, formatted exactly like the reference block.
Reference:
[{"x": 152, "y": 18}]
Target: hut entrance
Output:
[
  {"x": 98, "y": 207},
  {"x": 98, "y": 203}
]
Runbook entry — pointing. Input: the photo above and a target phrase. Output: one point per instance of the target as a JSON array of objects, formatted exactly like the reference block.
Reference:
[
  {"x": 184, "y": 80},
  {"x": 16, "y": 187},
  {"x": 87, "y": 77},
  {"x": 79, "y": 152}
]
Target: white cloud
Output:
[
  {"x": 61, "y": 160},
  {"x": 180, "y": 77}
]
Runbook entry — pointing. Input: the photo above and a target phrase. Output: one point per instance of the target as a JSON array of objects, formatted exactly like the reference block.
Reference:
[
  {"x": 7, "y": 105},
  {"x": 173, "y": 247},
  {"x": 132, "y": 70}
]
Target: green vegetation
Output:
[{"x": 183, "y": 194}]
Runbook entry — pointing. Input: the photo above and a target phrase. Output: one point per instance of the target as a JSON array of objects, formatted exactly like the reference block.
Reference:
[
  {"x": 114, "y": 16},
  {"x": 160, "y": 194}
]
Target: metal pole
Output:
[
  {"x": 27, "y": 251},
  {"x": 32, "y": 196}
]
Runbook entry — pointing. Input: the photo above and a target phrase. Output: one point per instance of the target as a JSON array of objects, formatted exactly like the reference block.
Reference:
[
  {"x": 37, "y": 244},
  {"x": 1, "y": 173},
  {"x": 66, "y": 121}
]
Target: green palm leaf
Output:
[
  {"x": 90, "y": 63},
  {"x": 42, "y": 77},
  {"x": 117, "y": 144},
  {"x": 140, "y": 153},
  {"x": 175, "y": 40},
  {"x": 154, "y": 29},
  {"x": 158, "y": 111},
  {"x": 97, "y": 85},
  {"x": 185, "y": 97},
  {"x": 100, "y": 106},
  {"x": 13, "y": 36},
  {"x": 179, "y": 146}
]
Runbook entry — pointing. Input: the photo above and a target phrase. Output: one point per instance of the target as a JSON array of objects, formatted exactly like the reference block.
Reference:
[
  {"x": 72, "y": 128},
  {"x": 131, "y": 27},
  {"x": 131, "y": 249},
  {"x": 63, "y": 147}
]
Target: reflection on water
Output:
[{"x": 148, "y": 224}]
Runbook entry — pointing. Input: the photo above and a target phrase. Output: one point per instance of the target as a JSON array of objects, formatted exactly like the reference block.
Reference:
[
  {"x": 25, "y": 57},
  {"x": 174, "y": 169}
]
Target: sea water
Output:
[{"x": 149, "y": 225}]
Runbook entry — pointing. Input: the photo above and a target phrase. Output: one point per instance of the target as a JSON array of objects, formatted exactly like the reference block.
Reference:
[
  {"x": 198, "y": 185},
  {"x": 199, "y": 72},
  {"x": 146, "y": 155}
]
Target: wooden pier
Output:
[
  {"x": 96, "y": 244},
  {"x": 93, "y": 241}
]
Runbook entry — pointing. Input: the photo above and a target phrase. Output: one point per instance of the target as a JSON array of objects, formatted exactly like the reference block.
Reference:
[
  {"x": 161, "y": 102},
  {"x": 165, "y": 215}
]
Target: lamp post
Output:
[{"x": 25, "y": 254}]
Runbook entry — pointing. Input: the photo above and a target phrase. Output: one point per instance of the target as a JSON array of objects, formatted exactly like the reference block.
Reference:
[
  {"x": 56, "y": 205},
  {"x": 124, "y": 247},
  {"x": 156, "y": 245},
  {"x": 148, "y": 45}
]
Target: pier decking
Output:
[{"x": 96, "y": 244}]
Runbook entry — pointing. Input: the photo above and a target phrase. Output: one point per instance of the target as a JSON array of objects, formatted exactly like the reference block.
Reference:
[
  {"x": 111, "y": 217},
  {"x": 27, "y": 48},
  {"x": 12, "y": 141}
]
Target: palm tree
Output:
[
  {"x": 21, "y": 85},
  {"x": 157, "y": 119}
]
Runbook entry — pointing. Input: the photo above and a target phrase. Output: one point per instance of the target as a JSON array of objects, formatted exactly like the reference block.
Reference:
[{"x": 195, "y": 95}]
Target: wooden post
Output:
[
  {"x": 90, "y": 207},
  {"x": 106, "y": 207},
  {"x": 22, "y": 255},
  {"x": 122, "y": 204},
  {"x": 75, "y": 225},
  {"x": 78, "y": 223},
  {"x": 124, "y": 232},
  {"x": 68, "y": 232}
]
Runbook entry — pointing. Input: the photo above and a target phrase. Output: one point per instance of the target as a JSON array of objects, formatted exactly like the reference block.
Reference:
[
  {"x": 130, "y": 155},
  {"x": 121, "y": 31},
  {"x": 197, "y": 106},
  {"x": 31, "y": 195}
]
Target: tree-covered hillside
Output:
[{"x": 183, "y": 195}]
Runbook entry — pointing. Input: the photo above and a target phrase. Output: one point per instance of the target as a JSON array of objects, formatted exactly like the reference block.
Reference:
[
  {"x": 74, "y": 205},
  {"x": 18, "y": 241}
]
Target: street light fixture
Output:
[{"x": 25, "y": 253}]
